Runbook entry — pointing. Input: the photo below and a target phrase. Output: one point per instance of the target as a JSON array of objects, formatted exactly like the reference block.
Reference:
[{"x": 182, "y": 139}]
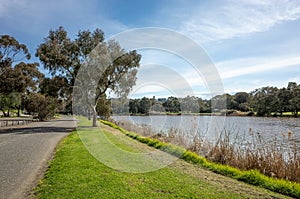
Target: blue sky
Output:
[{"x": 252, "y": 43}]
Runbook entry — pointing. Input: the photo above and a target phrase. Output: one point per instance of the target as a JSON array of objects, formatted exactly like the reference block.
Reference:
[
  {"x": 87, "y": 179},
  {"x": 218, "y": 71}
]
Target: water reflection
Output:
[{"x": 210, "y": 127}]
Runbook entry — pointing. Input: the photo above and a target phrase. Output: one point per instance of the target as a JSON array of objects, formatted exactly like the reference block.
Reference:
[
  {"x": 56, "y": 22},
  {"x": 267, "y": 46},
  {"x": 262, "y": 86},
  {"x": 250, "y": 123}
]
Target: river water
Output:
[{"x": 270, "y": 128}]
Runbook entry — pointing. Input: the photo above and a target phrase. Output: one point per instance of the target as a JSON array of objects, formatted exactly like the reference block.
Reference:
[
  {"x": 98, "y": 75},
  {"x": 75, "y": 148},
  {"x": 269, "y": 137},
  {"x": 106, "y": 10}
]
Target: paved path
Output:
[{"x": 25, "y": 152}]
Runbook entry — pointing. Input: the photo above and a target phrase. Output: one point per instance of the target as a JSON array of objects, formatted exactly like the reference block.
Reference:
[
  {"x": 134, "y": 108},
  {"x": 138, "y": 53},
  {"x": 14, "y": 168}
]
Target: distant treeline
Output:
[{"x": 265, "y": 101}]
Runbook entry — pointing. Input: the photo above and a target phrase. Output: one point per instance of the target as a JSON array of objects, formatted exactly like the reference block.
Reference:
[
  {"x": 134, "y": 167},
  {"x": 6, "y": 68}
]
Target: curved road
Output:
[{"x": 25, "y": 152}]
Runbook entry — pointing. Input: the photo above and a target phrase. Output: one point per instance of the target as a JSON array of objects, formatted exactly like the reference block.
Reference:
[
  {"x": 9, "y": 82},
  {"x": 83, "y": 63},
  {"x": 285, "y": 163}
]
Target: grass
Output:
[
  {"x": 75, "y": 173},
  {"x": 251, "y": 176},
  {"x": 278, "y": 157},
  {"x": 289, "y": 114}
]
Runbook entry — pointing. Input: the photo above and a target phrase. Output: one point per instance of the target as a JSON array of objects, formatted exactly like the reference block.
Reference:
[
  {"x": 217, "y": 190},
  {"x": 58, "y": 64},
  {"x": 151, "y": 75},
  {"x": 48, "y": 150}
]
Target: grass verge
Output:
[
  {"x": 75, "y": 173},
  {"x": 252, "y": 177}
]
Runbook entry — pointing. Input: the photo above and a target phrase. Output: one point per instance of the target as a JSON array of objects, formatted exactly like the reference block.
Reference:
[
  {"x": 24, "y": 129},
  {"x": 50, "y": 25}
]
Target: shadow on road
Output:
[
  {"x": 33, "y": 130},
  {"x": 40, "y": 127}
]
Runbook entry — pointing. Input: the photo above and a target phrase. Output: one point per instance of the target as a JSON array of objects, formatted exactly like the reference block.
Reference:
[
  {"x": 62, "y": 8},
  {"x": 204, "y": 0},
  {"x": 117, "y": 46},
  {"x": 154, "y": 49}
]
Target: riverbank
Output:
[
  {"x": 74, "y": 172},
  {"x": 223, "y": 113}
]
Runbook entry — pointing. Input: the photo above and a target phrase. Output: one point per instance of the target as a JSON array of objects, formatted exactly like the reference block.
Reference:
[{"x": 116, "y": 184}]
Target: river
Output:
[{"x": 211, "y": 126}]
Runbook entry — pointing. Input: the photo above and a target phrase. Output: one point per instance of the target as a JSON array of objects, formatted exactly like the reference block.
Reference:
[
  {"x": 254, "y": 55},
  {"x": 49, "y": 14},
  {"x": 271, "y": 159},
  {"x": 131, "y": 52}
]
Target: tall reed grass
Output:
[{"x": 278, "y": 158}]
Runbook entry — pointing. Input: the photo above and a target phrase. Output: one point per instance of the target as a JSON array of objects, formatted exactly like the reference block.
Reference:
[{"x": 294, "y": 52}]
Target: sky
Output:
[{"x": 251, "y": 43}]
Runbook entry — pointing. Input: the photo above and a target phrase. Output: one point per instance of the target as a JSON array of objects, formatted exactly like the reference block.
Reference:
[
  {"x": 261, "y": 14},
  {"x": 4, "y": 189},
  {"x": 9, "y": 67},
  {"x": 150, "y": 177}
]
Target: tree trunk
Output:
[
  {"x": 94, "y": 116},
  {"x": 296, "y": 112},
  {"x": 19, "y": 110},
  {"x": 89, "y": 115},
  {"x": 4, "y": 114}
]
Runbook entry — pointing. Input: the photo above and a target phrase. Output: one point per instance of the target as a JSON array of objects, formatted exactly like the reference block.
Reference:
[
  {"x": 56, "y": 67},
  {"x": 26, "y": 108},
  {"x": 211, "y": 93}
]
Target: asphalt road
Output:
[{"x": 25, "y": 152}]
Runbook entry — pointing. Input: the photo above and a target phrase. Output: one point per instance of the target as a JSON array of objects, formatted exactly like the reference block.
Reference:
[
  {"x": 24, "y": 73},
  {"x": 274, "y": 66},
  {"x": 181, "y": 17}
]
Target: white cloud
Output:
[
  {"x": 237, "y": 18},
  {"x": 41, "y": 16},
  {"x": 7, "y": 6},
  {"x": 247, "y": 66},
  {"x": 241, "y": 74}
]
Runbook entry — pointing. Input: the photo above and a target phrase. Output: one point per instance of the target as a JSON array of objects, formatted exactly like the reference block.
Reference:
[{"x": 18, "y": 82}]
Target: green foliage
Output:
[
  {"x": 278, "y": 185},
  {"x": 11, "y": 50},
  {"x": 15, "y": 79},
  {"x": 172, "y": 105},
  {"x": 55, "y": 87},
  {"x": 144, "y": 106},
  {"x": 104, "y": 107},
  {"x": 265, "y": 101},
  {"x": 134, "y": 106},
  {"x": 8, "y": 101},
  {"x": 269, "y": 100},
  {"x": 103, "y": 65},
  {"x": 189, "y": 104},
  {"x": 40, "y": 105},
  {"x": 253, "y": 177},
  {"x": 194, "y": 158}
]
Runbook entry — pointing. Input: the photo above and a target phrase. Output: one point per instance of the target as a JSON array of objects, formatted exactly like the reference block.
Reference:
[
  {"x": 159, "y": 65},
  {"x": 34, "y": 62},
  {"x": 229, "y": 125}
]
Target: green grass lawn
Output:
[{"x": 75, "y": 173}]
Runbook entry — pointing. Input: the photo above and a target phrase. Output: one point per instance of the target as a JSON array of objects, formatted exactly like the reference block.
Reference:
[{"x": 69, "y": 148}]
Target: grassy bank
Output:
[
  {"x": 251, "y": 176},
  {"x": 75, "y": 173}
]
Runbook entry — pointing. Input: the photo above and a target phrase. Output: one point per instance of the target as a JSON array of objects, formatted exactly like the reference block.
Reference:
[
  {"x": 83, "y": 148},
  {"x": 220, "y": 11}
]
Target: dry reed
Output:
[{"x": 277, "y": 158}]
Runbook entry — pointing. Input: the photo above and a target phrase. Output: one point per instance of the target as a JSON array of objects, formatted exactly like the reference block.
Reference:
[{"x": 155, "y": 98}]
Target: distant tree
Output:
[
  {"x": 265, "y": 100},
  {"x": 190, "y": 104},
  {"x": 134, "y": 106},
  {"x": 144, "y": 105},
  {"x": 158, "y": 107},
  {"x": 241, "y": 97},
  {"x": 221, "y": 102},
  {"x": 294, "y": 102},
  {"x": 242, "y": 100},
  {"x": 120, "y": 106},
  {"x": 204, "y": 106},
  {"x": 284, "y": 97},
  {"x": 172, "y": 104}
]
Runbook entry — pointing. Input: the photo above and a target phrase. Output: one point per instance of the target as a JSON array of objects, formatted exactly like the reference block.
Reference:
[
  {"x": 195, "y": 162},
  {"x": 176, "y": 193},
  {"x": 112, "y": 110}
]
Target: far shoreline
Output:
[{"x": 229, "y": 113}]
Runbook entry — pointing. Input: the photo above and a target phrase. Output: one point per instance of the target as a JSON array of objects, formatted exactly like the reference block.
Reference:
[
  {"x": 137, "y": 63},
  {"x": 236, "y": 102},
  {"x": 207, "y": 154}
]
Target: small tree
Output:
[
  {"x": 41, "y": 106},
  {"x": 7, "y": 101},
  {"x": 104, "y": 107},
  {"x": 172, "y": 105},
  {"x": 144, "y": 106},
  {"x": 134, "y": 106}
]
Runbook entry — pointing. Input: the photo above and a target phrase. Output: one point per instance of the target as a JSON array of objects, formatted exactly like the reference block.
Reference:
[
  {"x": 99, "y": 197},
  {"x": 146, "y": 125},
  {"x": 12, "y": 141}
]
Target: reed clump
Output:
[{"x": 278, "y": 158}]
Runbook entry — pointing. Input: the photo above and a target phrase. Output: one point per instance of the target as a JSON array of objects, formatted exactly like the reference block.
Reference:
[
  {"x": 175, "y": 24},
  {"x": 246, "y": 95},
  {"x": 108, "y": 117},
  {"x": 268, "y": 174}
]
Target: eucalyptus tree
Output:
[
  {"x": 265, "y": 100},
  {"x": 91, "y": 66},
  {"x": 107, "y": 69},
  {"x": 172, "y": 104},
  {"x": 144, "y": 106},
  {"x": 16, "y": 78}
]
